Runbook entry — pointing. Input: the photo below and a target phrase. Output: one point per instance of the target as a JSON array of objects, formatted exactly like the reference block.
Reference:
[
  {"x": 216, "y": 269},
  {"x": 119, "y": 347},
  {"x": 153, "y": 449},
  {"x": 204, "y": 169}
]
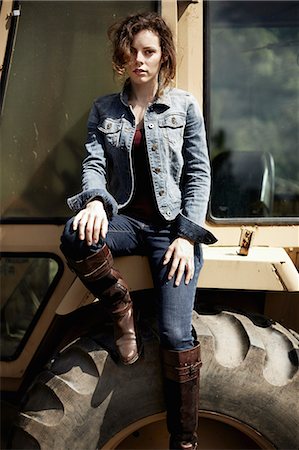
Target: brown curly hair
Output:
[{"x": 122, "y": 34}]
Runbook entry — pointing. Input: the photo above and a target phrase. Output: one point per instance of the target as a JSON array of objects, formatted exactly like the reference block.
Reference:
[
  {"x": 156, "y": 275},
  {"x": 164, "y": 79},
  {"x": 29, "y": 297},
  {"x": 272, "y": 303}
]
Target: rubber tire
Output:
[{"x": 249, "y": 373}]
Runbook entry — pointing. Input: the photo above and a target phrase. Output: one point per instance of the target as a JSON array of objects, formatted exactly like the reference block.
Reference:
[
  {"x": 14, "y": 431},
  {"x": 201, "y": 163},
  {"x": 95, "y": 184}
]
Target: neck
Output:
[{"x": 143, "y": 94}]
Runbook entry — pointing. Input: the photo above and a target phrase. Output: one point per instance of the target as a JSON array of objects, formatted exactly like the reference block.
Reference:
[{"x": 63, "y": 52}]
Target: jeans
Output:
[{"x": 129, "y": 236}]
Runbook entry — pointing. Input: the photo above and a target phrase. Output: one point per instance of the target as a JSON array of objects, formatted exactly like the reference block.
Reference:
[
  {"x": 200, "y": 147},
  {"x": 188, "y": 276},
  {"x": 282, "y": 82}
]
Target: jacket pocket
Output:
[
  {"x": 110, "y": 130},
  {"x": 172, "y": 127}
]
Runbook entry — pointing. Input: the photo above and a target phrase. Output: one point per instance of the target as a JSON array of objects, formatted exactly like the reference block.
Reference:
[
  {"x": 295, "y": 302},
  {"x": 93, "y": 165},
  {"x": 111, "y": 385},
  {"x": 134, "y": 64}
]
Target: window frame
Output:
[
  {"x": 287, "y": 220},
  {"x": 44, "y": 302},
  {"x": 9, "y": 19}
]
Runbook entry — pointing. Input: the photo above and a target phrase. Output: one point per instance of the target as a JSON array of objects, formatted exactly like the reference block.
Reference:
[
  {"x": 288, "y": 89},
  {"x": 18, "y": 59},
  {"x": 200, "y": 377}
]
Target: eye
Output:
[{"x": 149, "y": 51}]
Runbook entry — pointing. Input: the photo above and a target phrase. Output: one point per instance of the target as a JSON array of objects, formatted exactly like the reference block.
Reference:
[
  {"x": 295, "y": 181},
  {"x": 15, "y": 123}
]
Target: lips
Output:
[{"x": 139, "y": 71}]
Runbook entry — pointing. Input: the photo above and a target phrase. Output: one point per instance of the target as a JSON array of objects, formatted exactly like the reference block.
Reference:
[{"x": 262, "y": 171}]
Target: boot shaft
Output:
[
  {"x": 97, "y": 273},
  {"x": 181, "y": 388},
  {"x": 94, "y": 267},
  {"x": 103, "y": 281}
]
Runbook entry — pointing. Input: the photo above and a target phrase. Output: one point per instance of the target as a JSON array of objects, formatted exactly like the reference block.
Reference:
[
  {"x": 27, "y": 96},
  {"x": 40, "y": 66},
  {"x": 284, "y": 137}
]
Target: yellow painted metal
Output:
[
  {"x": 5, "y": 11},
  {"x": 190, "y": 48},
  {"x": 170, "y": 14},
  {"x": 264, "y": 268}
]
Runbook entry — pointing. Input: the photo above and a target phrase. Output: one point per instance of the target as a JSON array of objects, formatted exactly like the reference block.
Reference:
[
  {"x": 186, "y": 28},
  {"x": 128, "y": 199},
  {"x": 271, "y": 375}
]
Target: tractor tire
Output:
[{"x": 250, "y": 373}]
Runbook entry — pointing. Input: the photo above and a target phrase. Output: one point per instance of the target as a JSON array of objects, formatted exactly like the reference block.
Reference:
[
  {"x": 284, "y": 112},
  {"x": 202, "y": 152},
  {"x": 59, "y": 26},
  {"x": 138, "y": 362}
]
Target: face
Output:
[{"x": 146, "y": 59}]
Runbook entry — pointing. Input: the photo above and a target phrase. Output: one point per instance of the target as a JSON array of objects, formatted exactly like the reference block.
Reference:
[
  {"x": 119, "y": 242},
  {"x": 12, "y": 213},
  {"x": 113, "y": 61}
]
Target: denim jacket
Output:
[{"x": 177, "y": 152}]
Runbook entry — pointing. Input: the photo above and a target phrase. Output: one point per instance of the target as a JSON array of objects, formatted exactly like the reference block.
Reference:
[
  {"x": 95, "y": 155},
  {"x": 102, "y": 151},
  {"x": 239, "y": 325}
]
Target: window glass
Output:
[
  {"x": 25, "y": 283},
  {"x": 60, "y": 64},
  {"x": 253, "y": 95}
]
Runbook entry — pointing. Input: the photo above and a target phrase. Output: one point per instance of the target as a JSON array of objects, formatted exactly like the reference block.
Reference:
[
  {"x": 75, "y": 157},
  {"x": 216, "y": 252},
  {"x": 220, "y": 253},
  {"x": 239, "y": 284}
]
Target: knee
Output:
[
  {"x": 71, "y": 245},
  {"x": 176, "y": 339},
  {"x": 68, "y": 237},
  {"x": 75, "y": 248}
]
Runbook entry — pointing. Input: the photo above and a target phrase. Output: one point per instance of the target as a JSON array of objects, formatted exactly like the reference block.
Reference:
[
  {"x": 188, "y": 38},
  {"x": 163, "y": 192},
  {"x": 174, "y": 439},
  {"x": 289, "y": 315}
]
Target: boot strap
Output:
[
  {"x": 182, "y": 374},
  {"x": 94, "y": 267},
  {"x": 182, "y": 366}
]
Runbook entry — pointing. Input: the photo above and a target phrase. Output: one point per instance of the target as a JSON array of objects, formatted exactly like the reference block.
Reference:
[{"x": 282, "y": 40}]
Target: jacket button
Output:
[
  {"x": 161, "y": 193},
  {"x": 173, "y": 120},
  {"x": 168, "y": 213},
  {"x": 157, "y": 170},
  {"x": 108, "y": 126},
  {"x": 151, "y": 125},
  {"x": 154, "y": 147}
]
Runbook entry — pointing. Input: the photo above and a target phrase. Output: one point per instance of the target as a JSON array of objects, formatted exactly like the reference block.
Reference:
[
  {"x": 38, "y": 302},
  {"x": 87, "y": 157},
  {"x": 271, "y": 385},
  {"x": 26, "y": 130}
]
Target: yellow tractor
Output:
[{"x": 61, "y": 387}]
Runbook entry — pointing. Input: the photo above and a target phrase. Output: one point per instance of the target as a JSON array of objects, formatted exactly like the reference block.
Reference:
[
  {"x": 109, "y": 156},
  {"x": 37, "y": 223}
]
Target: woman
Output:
[{"x": 146, "y": 181}]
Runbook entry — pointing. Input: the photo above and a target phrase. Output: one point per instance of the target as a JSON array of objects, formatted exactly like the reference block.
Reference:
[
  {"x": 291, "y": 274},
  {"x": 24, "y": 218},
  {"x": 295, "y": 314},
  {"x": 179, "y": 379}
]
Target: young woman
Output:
[{"x": 146, "y": 182}]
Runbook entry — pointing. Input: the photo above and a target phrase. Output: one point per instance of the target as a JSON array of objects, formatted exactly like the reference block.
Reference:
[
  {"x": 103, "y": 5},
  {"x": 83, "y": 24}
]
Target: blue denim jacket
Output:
[{"x": 177, "y": 152}]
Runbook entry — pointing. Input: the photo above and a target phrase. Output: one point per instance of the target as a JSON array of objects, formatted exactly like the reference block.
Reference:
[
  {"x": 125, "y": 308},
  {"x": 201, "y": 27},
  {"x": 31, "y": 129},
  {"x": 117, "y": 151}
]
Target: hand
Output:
[
  {"x": 91, "y": 222},
  {"x": 181, "y": 255}
]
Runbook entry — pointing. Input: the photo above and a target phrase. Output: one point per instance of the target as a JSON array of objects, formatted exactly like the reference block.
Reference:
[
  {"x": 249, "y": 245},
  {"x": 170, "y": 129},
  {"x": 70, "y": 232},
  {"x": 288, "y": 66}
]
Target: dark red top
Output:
[{"x": 142, "y": 205}]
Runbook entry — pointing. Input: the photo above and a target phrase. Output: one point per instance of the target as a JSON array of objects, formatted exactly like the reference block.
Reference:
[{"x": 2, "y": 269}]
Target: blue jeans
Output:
[{"x": 129, "y": 236}]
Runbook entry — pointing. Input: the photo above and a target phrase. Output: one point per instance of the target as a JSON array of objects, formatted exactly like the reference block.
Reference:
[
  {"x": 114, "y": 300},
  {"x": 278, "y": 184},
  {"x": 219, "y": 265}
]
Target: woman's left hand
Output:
[{"x": 181, "y": 255}]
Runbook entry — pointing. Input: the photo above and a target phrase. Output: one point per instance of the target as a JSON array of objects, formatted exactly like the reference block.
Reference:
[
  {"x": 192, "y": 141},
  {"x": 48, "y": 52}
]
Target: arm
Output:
[
  {"x": 94, "y": 202},
  {"x": 196, "y": 177},
  {"x": 94, "y": 171},
  {"x": 195, "y": 195}
]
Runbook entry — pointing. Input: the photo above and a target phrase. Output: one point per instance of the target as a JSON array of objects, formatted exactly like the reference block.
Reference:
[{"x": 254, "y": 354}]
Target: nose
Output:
[{"x": 139, "y": 57}]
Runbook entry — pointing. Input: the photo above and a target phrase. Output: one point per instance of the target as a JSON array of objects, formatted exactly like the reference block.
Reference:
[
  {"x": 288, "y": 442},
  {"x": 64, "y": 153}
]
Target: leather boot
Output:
[
  {"x": 105, "y": 282},
  {"x": 181, "y": 389}
]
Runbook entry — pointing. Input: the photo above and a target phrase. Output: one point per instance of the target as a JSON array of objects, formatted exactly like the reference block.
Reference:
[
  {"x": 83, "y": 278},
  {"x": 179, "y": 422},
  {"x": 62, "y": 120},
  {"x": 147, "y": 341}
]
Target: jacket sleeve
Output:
[
  {"x": 196, "y": 179},
  {"x": 94, "y": 171}
]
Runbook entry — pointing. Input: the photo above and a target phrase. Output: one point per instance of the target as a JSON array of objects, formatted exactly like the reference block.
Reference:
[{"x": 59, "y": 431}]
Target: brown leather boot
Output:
[
  {"x": 105, "y": 282},
  {"x": 181, "y": 389}
]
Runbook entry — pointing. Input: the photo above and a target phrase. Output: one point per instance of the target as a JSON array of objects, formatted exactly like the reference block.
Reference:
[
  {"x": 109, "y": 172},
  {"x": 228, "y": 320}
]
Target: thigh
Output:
[
  {"x": 174, "y": 303},
  {"x": 124, "y": 236}
]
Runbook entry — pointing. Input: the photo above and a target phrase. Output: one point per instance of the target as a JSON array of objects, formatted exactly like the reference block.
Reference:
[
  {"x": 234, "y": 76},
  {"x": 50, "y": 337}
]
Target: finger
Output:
[
  {"x": 180, "y": 272},
  {"x": 97, "y": 227},
  {"x": 104, "y": 228},
  {"x": 89, "y": 229},
  {"x": 173, "y": 268},
  {"x": 81, "y": 226},
  {"x": 76, "y": 220},
  {"x": 168, "y": 255},
  {"x": 189, "y": 273}
]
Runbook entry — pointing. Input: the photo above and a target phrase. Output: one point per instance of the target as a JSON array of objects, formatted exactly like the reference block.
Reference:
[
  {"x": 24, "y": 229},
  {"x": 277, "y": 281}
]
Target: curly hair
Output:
[{"x": 122, "y": 34}]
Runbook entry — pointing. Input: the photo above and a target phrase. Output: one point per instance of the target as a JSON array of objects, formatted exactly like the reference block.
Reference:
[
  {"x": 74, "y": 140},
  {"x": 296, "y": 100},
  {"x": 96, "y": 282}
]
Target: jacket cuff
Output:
[
  {"x": 186, "y": 228},
  {"x": 79, "y": 201}
]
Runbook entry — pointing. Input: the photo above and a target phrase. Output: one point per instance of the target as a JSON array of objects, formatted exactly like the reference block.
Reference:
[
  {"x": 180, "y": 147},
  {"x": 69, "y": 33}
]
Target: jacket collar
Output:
[{"x": 163, "y": 100}]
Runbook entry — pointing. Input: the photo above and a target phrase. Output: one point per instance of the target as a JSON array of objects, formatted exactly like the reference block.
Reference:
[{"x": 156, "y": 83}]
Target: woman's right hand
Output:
[{"x": 91, "y": 222}]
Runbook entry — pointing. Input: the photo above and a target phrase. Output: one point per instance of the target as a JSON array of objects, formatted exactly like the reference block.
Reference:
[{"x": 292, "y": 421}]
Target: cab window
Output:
[
  {"x": 60, "y": 62},
  {"x": 27, "y": 281},
  {"x": 252, "y": 98}
]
